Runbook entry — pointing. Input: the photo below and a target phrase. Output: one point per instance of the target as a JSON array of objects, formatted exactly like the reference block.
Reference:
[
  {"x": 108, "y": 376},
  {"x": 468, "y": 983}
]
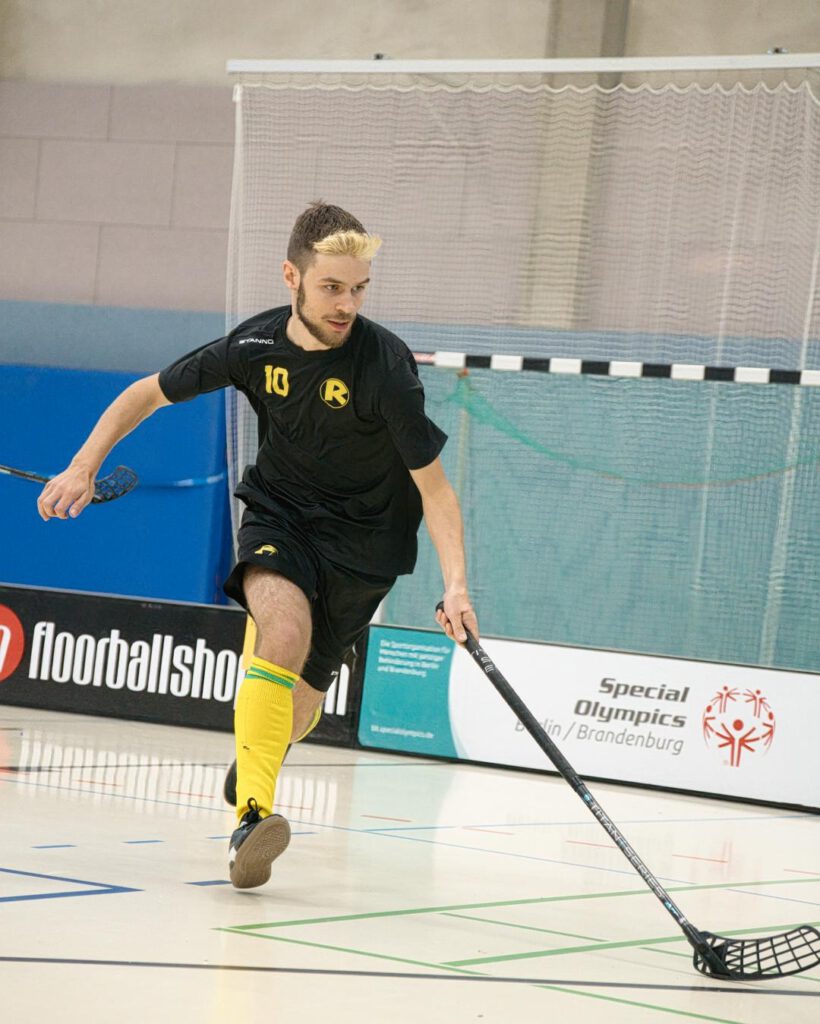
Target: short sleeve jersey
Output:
[{"x": 339, "y": 430}]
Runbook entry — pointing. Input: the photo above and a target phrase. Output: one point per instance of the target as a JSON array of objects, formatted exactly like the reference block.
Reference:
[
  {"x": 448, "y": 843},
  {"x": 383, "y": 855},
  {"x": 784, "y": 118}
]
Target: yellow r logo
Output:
[{"x": 335, "y": 393}]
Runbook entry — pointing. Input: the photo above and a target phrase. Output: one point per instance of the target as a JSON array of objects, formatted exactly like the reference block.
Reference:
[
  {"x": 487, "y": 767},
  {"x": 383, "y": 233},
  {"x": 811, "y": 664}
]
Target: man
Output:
[{"x": 347, "y": 463}]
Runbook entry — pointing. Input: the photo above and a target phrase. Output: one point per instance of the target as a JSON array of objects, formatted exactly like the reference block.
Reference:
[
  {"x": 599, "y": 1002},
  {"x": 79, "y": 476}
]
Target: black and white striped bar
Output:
[{"x": 621, "y": 368}]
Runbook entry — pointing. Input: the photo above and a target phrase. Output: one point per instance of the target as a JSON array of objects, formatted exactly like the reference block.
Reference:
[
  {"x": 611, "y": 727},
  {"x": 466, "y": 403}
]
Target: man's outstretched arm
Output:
[
  {"x": 69, "y": 492},
  {"x": 443, "y": 516}
]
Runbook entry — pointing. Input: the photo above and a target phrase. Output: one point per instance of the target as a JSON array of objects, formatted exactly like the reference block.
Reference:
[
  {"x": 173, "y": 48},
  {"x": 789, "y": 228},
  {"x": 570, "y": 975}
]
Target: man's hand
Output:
[
  {"x": 67, "y": 494},
  {"x": 456, "y": 614}
]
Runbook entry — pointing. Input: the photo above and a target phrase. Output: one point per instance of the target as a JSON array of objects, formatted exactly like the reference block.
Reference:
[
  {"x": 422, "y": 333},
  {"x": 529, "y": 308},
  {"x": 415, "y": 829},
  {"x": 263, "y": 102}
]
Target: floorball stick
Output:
[
  {"x": 107, "y": 488},
  {"x": 715, "y": 955}
]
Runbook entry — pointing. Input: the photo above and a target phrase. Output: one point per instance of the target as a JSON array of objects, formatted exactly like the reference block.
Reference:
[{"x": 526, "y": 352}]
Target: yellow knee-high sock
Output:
[{"x": 263, "y": 722}]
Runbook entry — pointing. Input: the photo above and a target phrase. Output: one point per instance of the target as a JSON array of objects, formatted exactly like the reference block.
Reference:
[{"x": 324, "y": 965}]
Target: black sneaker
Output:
[
  {"x": 229, "y": 786},
  {"x": 255, "y": 845}
]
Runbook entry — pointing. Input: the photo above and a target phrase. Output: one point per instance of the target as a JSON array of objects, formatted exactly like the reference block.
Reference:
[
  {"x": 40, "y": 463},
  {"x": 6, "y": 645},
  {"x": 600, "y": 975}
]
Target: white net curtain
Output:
[{"x": 665, "y": 217}]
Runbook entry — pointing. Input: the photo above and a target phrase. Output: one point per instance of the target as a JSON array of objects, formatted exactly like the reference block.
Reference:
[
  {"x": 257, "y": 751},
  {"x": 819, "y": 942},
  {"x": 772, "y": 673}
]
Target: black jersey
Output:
[{"x": 338, "y": 431}]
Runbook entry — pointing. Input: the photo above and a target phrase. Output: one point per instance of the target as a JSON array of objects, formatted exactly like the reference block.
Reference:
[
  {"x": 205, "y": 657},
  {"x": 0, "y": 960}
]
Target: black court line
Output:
[{"x": 705, "y": 986}]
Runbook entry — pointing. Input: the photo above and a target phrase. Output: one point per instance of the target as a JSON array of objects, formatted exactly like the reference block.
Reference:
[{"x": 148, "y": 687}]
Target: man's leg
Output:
[
  {"x": 266, "y": 710},
  {"x": 307, "y": 710},
  {"x": 263, "y": 720}
]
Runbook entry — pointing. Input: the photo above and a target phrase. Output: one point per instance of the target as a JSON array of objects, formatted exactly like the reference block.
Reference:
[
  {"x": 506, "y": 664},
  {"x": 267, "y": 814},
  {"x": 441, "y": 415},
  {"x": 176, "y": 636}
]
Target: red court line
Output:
[
  {"x": 182, "y": 792},
  {"x": 797, "y": 871},
  {"x": 381, "y": 817},
  {"x": 495, "y": 831},
  {"x": 296, "y": 807},
  {"x": 580, "y": 842},
  {"x": 688, "y": 856},
  {"x": 94, "y": 782}
]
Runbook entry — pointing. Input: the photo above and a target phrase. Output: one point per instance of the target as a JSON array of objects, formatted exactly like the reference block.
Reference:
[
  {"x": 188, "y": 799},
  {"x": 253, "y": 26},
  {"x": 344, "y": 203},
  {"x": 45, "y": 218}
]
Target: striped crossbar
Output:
[{"x": 620, "y": 368}]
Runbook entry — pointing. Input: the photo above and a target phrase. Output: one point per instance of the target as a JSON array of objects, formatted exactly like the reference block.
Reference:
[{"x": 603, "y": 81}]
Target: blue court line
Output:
[
  {"x": 141, "y": 842},
  {"x": 527, "y": 856},
  {"x": 113, "y": 796},
  {"x": 323, "y": 825},
  {"x": 56, "y": 846},
  {"x": 774, "y": 896},
  {"x": 498, "y": 853},
  {"x": 215, "y": 881},
  {"x": 390, "y": 834},
  {"x": 566, "y": 824},
  {"x": 588, "y": 867},
  {"x": 99, "y": 888}
]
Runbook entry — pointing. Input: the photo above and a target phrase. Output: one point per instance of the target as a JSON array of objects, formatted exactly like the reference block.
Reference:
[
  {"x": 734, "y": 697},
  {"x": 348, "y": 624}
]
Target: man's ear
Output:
[{"x": 290, "y": 274}]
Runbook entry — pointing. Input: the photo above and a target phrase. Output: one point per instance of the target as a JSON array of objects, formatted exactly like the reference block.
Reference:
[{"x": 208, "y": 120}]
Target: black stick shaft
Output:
[
  {"x": 534, "y": 728},
  {"x": 23, "y": 475}
]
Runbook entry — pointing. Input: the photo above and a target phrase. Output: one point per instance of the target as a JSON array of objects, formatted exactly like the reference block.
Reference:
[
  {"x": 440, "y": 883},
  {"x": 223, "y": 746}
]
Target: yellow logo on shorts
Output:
[
  {"x": 267, "y": 549},
  {"x": 335, "y": 393}
]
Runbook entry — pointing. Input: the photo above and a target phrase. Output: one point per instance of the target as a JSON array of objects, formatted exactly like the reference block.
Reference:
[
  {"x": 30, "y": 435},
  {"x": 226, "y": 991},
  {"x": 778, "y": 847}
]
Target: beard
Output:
[{"x": 326, "y": 335}]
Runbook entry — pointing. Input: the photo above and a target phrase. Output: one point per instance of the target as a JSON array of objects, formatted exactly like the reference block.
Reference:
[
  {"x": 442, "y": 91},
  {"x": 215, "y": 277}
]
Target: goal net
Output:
[{"x": 617, "y": 268}]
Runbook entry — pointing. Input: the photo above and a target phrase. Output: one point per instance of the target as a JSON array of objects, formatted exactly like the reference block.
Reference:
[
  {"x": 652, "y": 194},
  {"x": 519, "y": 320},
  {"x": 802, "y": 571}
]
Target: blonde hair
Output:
[{"x": 349, "y": 243}]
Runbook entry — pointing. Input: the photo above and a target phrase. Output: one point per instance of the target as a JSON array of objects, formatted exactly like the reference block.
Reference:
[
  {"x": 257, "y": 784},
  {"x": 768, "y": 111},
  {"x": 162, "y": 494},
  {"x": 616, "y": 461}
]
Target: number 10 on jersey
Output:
[{"x": 276, "y": 380}]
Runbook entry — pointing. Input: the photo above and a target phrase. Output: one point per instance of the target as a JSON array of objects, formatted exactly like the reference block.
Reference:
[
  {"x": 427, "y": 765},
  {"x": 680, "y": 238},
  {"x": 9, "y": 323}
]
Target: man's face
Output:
[{"x": 328, "y": 296}]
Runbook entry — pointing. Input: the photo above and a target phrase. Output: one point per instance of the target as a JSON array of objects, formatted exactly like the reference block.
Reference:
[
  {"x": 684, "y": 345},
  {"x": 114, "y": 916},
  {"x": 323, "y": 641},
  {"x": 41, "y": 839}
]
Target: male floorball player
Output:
[{"x": 347, "y": 464}]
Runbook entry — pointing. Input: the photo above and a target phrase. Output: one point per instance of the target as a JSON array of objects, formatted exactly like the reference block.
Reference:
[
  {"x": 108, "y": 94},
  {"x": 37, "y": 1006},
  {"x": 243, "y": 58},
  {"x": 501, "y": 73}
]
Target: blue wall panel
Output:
[{"x": 170, "y": 538}]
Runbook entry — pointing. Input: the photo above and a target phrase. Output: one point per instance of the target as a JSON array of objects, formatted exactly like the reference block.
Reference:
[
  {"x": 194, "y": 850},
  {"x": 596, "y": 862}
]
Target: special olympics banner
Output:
[{"x": 725, "y": 730}]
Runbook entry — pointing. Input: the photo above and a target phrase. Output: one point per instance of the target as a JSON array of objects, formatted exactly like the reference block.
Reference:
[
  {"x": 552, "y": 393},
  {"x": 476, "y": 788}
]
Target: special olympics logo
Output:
[
  {"x": 739, "y": 723},
  {"x": 12, "y": 642}
]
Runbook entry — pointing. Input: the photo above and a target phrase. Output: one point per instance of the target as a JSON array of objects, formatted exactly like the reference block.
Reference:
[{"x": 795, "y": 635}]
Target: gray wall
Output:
[
  {"x": 116, "y": 135},
  {"x": 98, "y": 181},
  {"x": 190, "y": 40}
]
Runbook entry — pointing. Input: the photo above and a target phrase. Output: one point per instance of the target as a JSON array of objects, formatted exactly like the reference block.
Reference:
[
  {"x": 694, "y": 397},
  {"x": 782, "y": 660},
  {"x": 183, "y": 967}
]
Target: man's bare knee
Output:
[{"x": 282, "y": 615}]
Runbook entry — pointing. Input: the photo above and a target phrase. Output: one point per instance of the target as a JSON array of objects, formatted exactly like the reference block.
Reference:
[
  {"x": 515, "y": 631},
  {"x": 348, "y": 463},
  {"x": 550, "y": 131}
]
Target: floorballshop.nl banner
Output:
[
  {"x": 179, "y": 664},
  {"x": 726, "y": 730},
  {"x": 156, "y": 661}
]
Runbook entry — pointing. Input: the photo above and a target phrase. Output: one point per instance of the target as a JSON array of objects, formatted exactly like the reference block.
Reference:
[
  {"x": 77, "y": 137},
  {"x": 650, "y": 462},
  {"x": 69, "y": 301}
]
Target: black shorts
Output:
[{"x": 342, "y": 601}]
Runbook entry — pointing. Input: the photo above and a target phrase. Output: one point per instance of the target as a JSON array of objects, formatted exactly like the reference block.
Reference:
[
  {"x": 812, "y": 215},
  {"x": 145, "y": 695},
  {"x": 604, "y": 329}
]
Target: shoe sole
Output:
[{"x": 252, "y": 864}]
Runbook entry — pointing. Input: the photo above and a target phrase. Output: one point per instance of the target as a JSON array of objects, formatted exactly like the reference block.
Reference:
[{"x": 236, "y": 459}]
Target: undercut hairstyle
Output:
[{"x": 330, "y": 230}]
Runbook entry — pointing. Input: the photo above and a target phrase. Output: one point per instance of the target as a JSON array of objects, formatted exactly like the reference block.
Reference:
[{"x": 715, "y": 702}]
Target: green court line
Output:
[
  {"x": 643, "y": 1006},
  {"x": 482, "y": 974},
  {"x": 668, "y": 952},
  {"x": 524, "y": 927},
  {"x": 532, "y": 901},
  {"x": 536, "y": 954},
  {"x": 540, "y": 953}
]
